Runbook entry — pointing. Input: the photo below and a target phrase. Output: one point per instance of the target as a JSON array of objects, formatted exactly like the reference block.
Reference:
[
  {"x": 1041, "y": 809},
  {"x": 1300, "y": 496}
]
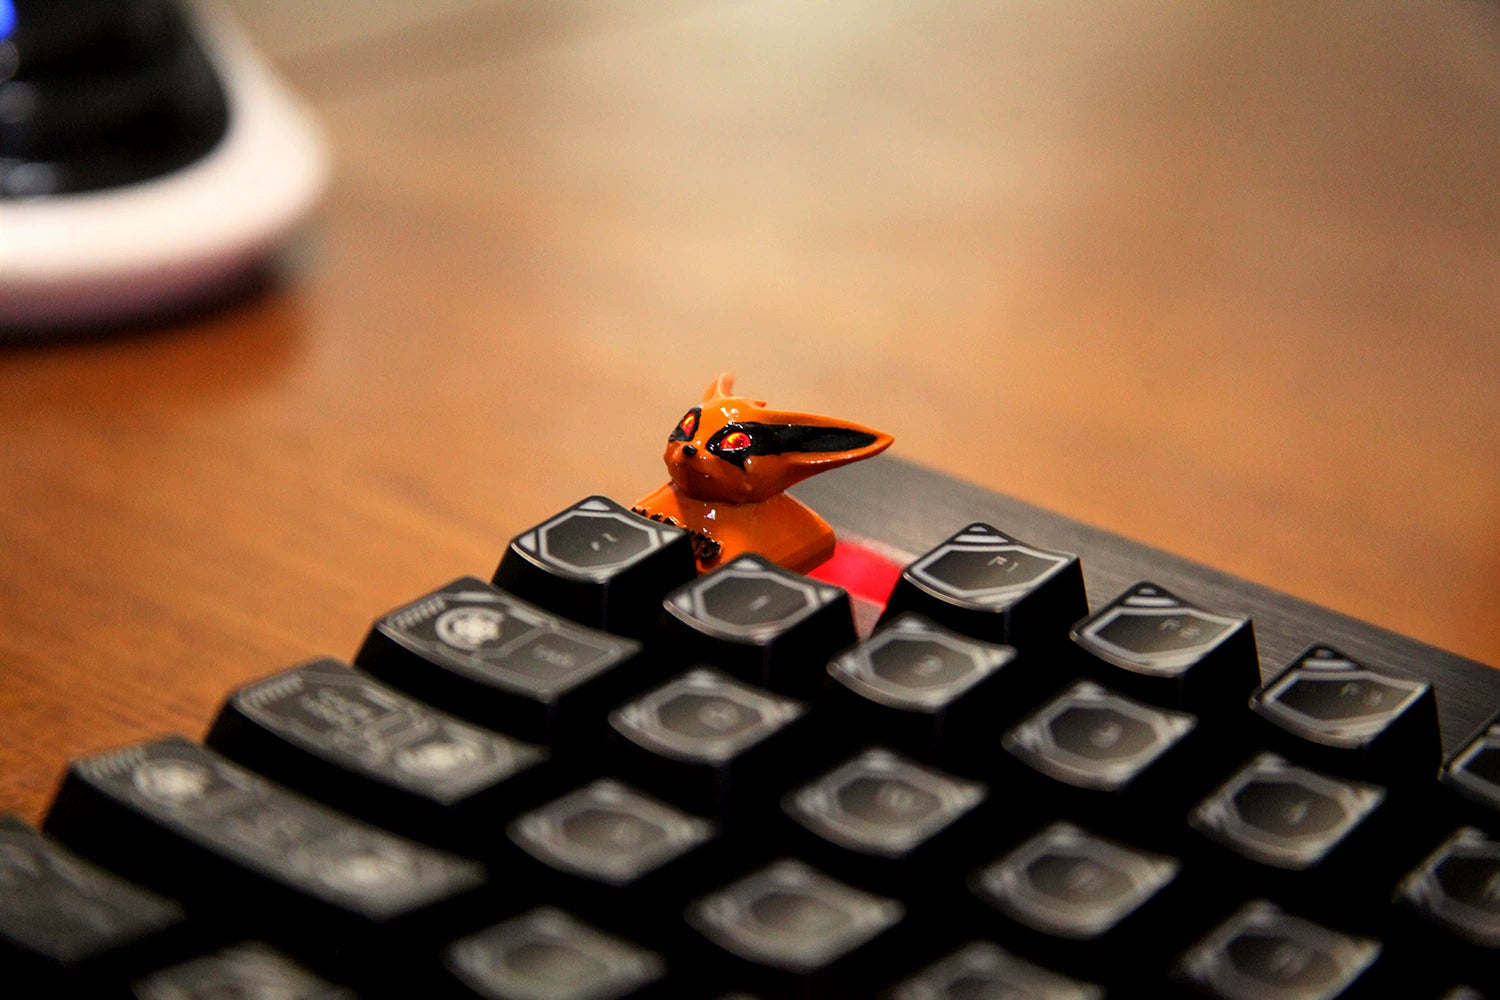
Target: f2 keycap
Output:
[{"x": 984, "y": 583}]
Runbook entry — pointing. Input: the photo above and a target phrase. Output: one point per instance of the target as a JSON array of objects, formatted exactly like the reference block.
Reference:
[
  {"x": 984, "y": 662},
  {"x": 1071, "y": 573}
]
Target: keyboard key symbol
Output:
[
  {"x": 984, "y": 583},
  {"x": 593, "y": 538},
  {"x": 1068, "y": 882},
  {"x": 882, "y": 804},
  {"x": 1091, "y": 737},
  {"x": 1265, "y": 953},
  {"x": 1282, "y": 815}
]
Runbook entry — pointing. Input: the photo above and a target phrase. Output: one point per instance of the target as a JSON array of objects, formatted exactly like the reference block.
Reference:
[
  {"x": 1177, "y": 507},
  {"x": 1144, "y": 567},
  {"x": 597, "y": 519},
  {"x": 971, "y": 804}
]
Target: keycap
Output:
[
  {"x": 1153, "y": 645},
  {"x": 764, "y": 624},
  {"x": 487, "y": 656},
  {"x": 1472, "y": 778},
  {"x": 1456, "y": 890},
  {"x": 1112, "y": 760},
  {"x": 884, "y": 821},
  {"x": 1331, "y": 712},
  {"x": 548, "y": 954},
  {"x": 614, "y": 855},
  {"x": 356, "y": 744},
  {"x": 1082, "y": 902},
  {"x": 984, "y": 971},
  {"x": 704, "y": 740},
  {"x": 1321, "y": 840},
  {"x": 928, "y": 691},
  {"x": 984, "y": 583},
  {"x": 792, "y": 931},
  {"x": 183, "y": 820},
  {"x": 1264, "y": 953},
  {"x": 245, "y": 971},
  {"x": 66, "y": 924},
  {"x": 599, "y": 564}
]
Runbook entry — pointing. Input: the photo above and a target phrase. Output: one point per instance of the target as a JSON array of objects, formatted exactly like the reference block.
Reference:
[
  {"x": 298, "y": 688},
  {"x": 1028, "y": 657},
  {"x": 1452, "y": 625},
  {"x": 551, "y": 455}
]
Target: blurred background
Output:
[{"x": 1221, "y": 277}]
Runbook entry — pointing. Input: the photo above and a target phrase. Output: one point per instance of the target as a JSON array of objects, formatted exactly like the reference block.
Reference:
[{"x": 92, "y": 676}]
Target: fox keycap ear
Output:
[{"x": 720, "y": 387}]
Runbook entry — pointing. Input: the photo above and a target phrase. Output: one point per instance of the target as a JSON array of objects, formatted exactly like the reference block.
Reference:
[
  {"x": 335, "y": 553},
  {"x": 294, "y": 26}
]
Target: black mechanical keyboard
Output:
[{"x": 1062, "y": 765}]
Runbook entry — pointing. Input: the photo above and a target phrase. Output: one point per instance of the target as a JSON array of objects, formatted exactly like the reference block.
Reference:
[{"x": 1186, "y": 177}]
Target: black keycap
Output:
[
  {"x": 884, "y": 821},
  {"x": 598, "y": 564},
  {"x": 1333, "y": 713},
  {"x": 1472, "y": 778},
  {"x": 765, "y": 624},
  {"x": 983, "y": 971},
  {"x": 360, "y": 746},
  {"x": 614, "y": 855},
  {"x": 704, "y": 740},
  {"x": 1264, "y": 953},
  {"x": 983, "y": 583},
  {"x": 184, "y": 820},
  {"x": 927, "y": 691},
  {"x": 487, "y": 656},
  {"x": 1081, "y": 901},
  {"x": 792, "y": 931},
  {"x": 1456, "y": 890},
  {"x": 1112, "y": 760},
  {"x": 1283, "y": 815},
  {"x": 1153, "y": 645},
  {"x": 548, "y": 954},
  {"x": 247, "y": 971},
  {"x": 1331, "y": 847},
  {"x": 66, "y": 924}
]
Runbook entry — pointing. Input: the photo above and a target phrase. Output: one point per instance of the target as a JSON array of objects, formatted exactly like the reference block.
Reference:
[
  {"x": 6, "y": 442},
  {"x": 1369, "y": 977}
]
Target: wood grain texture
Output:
[{"x": 1221, "y": 278}]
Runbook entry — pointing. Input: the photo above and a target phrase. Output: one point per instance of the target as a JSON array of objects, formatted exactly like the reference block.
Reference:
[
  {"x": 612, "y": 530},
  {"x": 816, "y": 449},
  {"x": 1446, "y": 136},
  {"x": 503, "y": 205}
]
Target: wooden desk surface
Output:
[{"x": 1224, "y": 279}]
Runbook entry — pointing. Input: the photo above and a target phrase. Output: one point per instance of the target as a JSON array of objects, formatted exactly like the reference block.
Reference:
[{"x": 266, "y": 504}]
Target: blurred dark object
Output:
[
  {"x": 102, "y": 93},
  {"x": 151, "y": 163}
]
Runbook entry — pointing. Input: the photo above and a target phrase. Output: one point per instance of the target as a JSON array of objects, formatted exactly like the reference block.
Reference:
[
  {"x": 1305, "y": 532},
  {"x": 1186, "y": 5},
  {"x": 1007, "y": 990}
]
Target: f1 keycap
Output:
[
  {"x": 598, "y": 564},
  {"x": 185, "y": 820},
  {"x": 1154, "y": 645},
  {"x": 984, "y": 583},
  {"x": 65, "y": 924},
  {"x": 1333, "y": 713},
  {"x": 768, "y": 625},
  {"x": 487, "y": 656},
  {"x": 356, "y": 744}
]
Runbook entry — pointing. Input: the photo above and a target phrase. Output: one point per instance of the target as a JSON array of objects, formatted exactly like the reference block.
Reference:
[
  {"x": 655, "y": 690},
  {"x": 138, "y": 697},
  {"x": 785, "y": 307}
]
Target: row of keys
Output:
[
  {"x": 775, "y": 629},
  {"x": 796, "y": 927}
]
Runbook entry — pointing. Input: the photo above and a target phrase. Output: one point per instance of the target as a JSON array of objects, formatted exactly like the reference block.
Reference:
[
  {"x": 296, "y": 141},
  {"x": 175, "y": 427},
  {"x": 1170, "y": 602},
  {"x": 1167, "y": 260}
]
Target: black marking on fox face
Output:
[
  {"x": 687, "y": 426},
  {"x": 737, "y": 441}
]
